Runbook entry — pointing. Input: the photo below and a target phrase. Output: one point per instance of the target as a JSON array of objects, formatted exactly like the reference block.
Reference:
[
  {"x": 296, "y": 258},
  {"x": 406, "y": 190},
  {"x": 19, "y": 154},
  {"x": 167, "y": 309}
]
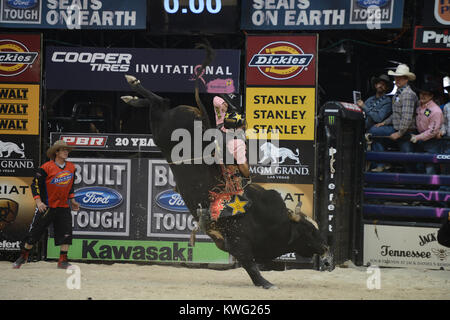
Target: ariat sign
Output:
[{"x": 431, "y": 38}]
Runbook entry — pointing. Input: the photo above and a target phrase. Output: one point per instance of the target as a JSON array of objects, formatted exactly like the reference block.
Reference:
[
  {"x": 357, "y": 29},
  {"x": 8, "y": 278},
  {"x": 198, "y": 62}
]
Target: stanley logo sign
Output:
[{"x": 288, "y": 112}]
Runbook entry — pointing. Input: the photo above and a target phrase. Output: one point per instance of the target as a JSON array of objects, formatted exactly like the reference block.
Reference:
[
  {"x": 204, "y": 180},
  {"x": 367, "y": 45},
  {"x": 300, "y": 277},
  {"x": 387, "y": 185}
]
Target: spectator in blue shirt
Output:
[{"x": 378, "y": 107}]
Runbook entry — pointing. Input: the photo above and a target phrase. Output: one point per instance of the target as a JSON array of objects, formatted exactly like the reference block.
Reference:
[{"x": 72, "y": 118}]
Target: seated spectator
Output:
[
  {"x": 429, "y": 119},
  {"x": 379, "y": 106},
  {"x": 401, "y": 122}
]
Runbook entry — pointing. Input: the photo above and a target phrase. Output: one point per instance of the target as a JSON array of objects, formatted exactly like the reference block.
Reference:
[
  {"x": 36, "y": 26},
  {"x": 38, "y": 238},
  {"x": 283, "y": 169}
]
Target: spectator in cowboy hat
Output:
[
  {"x": 379, "y": 106},
  {"x": 400, "y": 123},
  {"x": 429, "y": 119},
  {"x": 52, "y": 187}
]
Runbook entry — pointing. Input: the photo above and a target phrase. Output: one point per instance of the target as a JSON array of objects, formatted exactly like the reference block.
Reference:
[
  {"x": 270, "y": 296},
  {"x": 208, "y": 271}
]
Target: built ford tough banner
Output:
[
  {"x": 73, "y": 14},
  {"x": 161, "y": 70},
  {"x": 321, "y": 15},
  {"x": 129, "y": 211}
]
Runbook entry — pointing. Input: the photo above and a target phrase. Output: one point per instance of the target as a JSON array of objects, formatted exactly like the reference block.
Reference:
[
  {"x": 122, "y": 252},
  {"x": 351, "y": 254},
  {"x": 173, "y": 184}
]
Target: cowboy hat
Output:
[
  {"x": 402, "y": 70},
  {"x": 430, "y": 87},
  {"x": 385, "y": 79},
  {"x": 59, "y": 144}
]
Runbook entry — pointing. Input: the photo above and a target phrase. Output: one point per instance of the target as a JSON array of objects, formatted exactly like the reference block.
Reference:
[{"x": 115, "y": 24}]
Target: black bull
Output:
[{"x": 265, "y": 231}]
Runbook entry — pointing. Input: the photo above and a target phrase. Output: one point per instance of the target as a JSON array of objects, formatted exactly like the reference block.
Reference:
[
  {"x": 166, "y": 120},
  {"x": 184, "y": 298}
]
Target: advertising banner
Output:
[
  {"x": 401, "y": 246},
  {"x": 142, "y": 251},
  {"x": 295, "y": 195},
  {"x": 74, "y": 14},
  {"x": 19, "y": 109},
  {"x": 321, "y": 15},
  {"x": 16, "y": 212},
  {"x": 431, "y": 38},
  {"x": 129, "y": 212},
  {"x": 160, "y": 70},
  {"x": 19, "y": 155},
  {"x": 20, "y": 58},
  {"x": 290, "y": 112},
  {"x": 283, "y": 162},
  {"x": 281, "y": 60},
  {"x": 108, "y": 142},
  {"x": 167, "y": 215},
  {"x": 102, "y": 188},
  {"x": 436, "y": 13}
]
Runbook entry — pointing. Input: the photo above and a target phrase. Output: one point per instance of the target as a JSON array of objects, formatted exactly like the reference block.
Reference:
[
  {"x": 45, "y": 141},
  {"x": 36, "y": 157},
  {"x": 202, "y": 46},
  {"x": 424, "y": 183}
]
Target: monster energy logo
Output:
[{"x": 331, "y": 120}]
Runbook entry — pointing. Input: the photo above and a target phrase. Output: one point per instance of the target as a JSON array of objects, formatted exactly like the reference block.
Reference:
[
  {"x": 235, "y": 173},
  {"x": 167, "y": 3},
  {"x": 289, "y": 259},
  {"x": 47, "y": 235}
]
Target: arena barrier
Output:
[
  {"x": 339, "y": 179},
  {"x": 403, "y": 211}
]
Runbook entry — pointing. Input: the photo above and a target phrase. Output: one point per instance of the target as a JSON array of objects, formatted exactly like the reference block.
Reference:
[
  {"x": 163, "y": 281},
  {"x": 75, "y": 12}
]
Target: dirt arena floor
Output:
[{"x": 43, "y": 281}]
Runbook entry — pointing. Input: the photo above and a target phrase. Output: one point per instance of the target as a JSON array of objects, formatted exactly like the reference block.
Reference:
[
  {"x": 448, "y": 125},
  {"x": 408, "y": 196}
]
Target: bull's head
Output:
[{"x": 306, "y": 240}]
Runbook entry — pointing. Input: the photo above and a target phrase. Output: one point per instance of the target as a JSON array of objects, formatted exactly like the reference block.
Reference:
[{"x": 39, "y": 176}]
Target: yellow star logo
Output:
[
  {"x": 238, "y": 117},
  {"x": 237, "y": 205}
]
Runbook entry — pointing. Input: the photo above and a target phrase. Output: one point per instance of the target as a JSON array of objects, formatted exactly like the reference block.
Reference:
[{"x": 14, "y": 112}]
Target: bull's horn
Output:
[
  {"x": 127, "y": 99},
  {"x": 131, "y": 79},
  {"x": 292, "y": 216}
]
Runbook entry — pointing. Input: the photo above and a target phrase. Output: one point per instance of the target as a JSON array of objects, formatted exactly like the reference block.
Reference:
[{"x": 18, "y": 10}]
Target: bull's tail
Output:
[{"x": 210, "y": 54}]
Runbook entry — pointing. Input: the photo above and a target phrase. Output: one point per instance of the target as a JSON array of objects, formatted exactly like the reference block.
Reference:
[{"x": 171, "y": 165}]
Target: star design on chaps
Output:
[{"x": 237, "y": 205}]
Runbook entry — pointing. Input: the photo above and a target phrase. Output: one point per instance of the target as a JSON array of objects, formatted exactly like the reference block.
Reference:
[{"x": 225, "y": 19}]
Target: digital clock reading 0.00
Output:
[{"x": 195, "y": 6}]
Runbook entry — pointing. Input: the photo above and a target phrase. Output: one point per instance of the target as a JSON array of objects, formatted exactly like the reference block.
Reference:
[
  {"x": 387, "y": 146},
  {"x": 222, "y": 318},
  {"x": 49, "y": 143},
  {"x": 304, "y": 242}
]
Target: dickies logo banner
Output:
[
  {"x": 20, "y": 58},
  {"x": 281, "y": 60}
]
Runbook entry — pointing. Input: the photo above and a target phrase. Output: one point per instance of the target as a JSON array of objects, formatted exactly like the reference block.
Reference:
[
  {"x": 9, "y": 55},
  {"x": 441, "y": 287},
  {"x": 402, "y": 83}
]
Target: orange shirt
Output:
[{"x": 54, "y": 185}]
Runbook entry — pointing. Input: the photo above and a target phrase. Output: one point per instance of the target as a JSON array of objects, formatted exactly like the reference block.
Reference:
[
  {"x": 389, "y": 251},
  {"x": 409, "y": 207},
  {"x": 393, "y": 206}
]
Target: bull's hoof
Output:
[
  {"x": 269, "y": 286},
  {"x": 127, "y": 99},
  {"x": 131, "y": 80}
]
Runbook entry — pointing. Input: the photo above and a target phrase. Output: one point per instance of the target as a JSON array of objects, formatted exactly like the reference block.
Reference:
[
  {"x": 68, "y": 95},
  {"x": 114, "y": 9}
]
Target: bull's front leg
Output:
[
  {"x": 241, "y": 250},
  {"x": 258, "y": 280}
]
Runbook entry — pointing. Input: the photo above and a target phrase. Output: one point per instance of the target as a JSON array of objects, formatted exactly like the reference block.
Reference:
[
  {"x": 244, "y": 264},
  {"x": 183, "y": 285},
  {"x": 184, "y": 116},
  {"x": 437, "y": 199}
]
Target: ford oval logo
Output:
[
  {"x": 98, "y": 198},
  {"x": 170, "y": 200},
  {"x": 22, "y": 4},
  {"x": 368, "y": 3}
]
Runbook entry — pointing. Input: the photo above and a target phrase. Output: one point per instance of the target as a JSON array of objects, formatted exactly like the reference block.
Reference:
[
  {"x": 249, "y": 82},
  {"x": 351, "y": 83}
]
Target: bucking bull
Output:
[{"x": 267, "y": 230}]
